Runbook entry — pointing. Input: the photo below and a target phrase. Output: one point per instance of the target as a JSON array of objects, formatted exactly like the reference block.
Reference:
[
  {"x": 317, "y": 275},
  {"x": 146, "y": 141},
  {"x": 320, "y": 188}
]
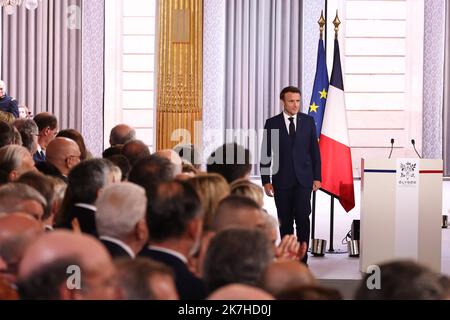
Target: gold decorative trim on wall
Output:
[{"x": 180, "y": 71}]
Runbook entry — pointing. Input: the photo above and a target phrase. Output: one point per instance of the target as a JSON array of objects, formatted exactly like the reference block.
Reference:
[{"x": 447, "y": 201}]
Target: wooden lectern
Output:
[{"x": 401, "y": 211}]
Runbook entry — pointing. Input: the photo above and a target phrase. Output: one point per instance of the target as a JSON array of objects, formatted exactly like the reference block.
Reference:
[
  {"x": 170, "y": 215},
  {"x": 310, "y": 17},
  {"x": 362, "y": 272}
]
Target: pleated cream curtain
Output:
[
  {"x": 41, "y": 60},
  {"x": 263, "y": 55},
  {"x": 446, "y": 88}
]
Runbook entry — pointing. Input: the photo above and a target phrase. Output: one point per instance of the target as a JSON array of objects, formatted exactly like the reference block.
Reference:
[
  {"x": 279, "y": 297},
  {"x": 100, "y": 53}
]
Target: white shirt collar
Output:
[
  {"x": 121, "y": 244},
  {"x": 170, "y": 251},
  {"x": 286, "y": 116},
  {"x": 287, "y": 122},
  {"x": 39, "y": 149},
  {"x": 86, "y": 206}
]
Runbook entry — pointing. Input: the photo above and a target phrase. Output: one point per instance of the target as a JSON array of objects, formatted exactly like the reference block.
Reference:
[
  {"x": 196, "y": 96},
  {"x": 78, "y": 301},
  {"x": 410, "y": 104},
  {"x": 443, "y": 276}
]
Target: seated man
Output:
[{"x": 9, "y": 110}]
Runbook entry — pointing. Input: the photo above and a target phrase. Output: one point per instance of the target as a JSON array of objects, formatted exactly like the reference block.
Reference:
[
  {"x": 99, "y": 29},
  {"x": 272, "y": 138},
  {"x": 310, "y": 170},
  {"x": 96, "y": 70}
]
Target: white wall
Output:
[
  {"x": 130, "y": 42},
  {"x": 381, "y": 46}
]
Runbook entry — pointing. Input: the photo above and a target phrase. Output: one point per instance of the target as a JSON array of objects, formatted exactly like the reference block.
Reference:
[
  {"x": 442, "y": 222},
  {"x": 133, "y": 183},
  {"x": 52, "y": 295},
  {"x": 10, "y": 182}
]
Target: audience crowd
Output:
[{"x": 141, "y": 226}]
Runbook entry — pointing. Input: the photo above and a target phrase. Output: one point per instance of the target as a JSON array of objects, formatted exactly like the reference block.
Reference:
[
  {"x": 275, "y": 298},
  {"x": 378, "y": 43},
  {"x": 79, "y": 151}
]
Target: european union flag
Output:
[{"x": 320, "y": 91}]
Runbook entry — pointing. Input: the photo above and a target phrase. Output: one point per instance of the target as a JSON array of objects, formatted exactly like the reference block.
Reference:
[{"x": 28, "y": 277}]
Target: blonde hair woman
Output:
[
  {"x": 245, "y": 188},
  {"x": 211, "y": 189}
]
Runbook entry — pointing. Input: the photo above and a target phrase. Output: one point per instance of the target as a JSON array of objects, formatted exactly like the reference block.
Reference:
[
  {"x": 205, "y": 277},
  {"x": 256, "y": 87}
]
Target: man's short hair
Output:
[
  {"x": 87, "y": 178},
  {"x": 44, "y": 185},
  {"x": 237, "y": 256},
  {"x": 120, "y": 206},
  {"x": 12, "y": 196},
  {"x": 27, "y": 129},
  {"x": 150, "y": 171},
  {"x": 134, "y": 277},
  {"x": 135, "y": 150},
  {"x": 289, "y": 89},
  {"x": 44, "y": 120},
  {"x": 230, "y": 160},
  {"x": 175, "y": 204},
  {"x": 6, "y": 134},
  {"x": 229, "y": 209},
  {"x": 11, "y": 158},
  {"x": 45, "y": 283}
]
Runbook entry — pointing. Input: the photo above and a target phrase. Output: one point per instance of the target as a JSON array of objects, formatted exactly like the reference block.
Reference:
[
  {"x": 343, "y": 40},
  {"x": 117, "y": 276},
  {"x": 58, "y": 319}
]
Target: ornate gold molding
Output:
[{"x": 180, "y": 69}]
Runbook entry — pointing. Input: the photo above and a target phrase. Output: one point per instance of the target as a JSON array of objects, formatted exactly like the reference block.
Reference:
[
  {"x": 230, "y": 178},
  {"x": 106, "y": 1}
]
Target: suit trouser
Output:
[{"x": 294, "y": 204}]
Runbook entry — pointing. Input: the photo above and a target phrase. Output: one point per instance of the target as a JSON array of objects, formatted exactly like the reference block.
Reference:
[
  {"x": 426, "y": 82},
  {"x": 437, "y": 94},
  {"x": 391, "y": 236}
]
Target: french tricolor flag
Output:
[{"x": 337, "y": 172}]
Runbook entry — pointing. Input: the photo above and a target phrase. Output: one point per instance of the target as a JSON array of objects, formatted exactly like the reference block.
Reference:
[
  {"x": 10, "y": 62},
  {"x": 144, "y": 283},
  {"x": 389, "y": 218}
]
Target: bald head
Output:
[
  {"x": 174, "y": 158},
  {"x": 63, "y": 153},
  {"x": 239, "y": 292},
  {"x": 58, "y": 245},
  {"x": 121, "y": 134},
  {"x": 238, "y": 211},
  {"x": 15, "y": 224},
  {"x": 284, "y": 275},
  {"x": 56, "y": 258}
]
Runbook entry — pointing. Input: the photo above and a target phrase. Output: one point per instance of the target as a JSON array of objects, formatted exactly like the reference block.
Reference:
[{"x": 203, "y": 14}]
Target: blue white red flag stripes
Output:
[{"x": 337, "y": 171}]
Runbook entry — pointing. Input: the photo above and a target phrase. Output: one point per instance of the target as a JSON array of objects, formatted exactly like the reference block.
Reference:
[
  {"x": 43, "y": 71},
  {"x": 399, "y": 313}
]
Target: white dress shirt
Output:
[{"x": 286, "y": 120}]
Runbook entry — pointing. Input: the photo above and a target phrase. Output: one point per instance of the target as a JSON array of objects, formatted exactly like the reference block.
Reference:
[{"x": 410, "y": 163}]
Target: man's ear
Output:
[
  {"x": 195, "y": 228},
  {"x": 141, "y": 230},
  {"x": 46, "y": 131},
  {"x": 12, "y": 176}
]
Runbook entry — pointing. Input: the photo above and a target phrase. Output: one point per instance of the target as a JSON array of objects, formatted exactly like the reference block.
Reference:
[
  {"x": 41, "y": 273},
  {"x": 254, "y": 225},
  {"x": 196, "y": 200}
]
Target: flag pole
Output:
[
  {"x": 336, "y": 23},
  {"x": 322, "y": 24}
]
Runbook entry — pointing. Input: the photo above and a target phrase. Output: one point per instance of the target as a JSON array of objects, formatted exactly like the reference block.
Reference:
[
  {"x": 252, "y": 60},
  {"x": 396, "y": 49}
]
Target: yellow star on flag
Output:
[
  {"x": 323, "y": 94},
  {"x": 313, "y": 107}
]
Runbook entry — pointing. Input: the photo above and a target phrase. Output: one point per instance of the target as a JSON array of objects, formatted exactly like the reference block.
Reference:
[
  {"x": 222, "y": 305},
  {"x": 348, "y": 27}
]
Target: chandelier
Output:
[{"x": 10, "y": 5}]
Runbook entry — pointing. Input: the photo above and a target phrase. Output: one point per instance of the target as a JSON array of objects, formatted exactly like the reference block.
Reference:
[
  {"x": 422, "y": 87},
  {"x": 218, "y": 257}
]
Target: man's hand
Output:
[
  {"x": 291, "y": 249},
  {"x": 316, "y": 185},
  {"x": 268, "y": 189}
]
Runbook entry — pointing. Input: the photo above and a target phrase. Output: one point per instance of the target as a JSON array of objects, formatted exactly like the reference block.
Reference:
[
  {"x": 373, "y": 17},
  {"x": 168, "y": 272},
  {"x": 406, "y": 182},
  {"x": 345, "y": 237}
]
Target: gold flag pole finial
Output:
[
  {"x": 336, "y": 23},
  {"x": 321, "y": 23}
]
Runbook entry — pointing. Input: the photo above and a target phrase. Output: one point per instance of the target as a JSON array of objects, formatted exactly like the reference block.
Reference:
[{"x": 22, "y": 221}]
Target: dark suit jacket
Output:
[
  {"x": 189, "y": 287},
  {"x": 38, "y": 157},
  {"x": 47, "y": 168},
  {"x": 86, "y": 219},
  {"x": 8, "y": 104},
  {"x": 293, "y": 162},
  {"x": 115, "y": 250}
]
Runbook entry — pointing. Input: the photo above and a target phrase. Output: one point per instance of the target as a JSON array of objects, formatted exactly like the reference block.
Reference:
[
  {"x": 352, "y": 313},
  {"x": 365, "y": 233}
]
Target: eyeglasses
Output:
[{"x": 73, "y": 156}]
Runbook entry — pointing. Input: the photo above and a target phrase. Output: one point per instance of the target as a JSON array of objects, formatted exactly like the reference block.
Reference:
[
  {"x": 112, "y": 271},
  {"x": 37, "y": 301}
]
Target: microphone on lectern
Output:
[
  {"x": 413, "y": 142},
  {"x": 392, "y": 148}
]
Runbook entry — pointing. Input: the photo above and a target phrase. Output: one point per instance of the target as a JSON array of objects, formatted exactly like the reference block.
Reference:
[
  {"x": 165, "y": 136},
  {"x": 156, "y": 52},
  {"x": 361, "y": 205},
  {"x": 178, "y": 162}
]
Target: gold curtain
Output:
[{"x": 180, "y": 71}]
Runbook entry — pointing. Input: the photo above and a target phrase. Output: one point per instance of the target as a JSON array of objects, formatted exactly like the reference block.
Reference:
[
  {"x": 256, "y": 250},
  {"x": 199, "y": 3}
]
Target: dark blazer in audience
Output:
[
  {"x": 85, "y": 218},
  {"x": 39, "y": 156},
  {"x": 189, "y": 287},
  {"x": 48, "y": 169},
  {"x": 115, "y": 250}
]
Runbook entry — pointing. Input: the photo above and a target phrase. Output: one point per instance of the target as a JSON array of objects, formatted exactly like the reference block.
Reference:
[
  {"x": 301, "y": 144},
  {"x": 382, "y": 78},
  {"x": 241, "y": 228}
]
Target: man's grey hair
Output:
[
  {"x": 120, "y": 206},
  {"x": 11, "y": 158},
  {"x": 27, "y": 128},
  {"x": 12, "y": 196}
]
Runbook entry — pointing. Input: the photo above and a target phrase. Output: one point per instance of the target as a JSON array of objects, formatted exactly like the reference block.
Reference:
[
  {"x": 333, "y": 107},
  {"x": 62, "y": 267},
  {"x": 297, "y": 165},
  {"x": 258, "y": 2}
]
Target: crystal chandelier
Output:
[{"x": 10, "y": 5}]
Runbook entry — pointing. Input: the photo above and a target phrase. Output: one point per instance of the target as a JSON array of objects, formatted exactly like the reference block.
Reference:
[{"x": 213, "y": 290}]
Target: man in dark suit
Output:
[
  {"x": 8, "y": 105},
  {"x": 174, "y": 219},
  {"x": 290, "y": 164}
]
